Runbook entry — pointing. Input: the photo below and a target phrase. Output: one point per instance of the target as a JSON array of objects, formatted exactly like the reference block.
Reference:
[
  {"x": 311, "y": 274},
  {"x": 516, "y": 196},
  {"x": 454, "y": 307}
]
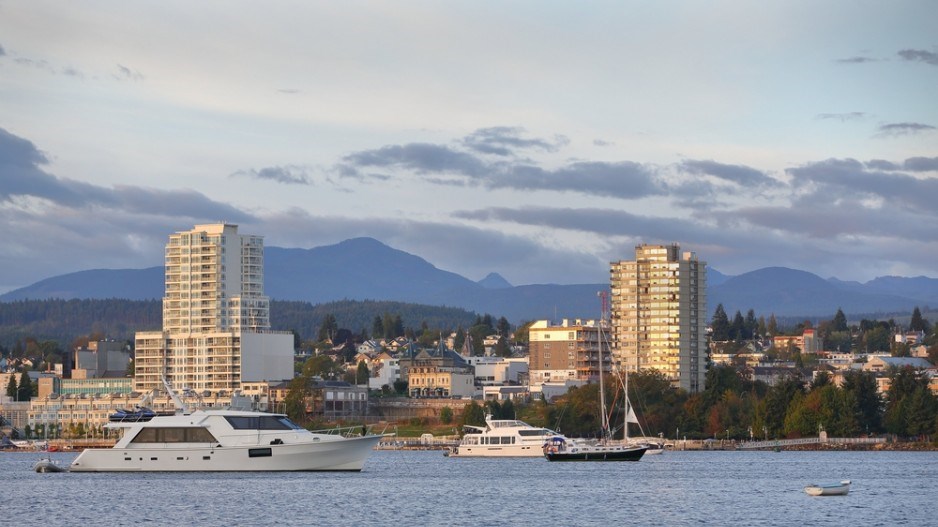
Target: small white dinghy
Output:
[{"x": 829, "y": 489}]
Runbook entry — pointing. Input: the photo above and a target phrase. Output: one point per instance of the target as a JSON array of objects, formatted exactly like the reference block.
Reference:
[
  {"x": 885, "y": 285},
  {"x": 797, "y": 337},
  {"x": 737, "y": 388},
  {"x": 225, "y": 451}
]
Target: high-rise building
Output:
[
  {"x": 216, "y": 320},
  {"x": 658, "y": 314}
]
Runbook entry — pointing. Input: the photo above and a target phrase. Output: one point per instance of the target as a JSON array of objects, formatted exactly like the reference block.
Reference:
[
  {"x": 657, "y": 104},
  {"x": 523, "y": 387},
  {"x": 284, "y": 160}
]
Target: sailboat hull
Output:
[{"x": 598, "y": 454}]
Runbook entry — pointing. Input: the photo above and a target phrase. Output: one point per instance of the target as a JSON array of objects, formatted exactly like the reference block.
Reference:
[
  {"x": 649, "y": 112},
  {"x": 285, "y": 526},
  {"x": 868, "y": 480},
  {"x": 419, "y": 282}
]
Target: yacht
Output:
[
  {"x": 222, "y": 440},
  {"x": 502, "y": 438}
]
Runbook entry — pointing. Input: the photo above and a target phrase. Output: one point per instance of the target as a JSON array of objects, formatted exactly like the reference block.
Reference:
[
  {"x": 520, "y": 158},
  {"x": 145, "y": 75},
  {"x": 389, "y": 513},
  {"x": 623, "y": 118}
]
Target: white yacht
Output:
[
  {"x": 502, "y": 438},
  {"x": 221, "y": 440},
  {"x": 224, "y": 440}
]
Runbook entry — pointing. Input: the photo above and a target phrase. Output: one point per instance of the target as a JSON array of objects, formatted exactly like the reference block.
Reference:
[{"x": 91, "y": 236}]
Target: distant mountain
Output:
[
  {"x": 366, "y": 269},
  {"x": 788, "y": 292},
  {"x": 494, "y": 281},
  {"x": 130, "y": 284}
]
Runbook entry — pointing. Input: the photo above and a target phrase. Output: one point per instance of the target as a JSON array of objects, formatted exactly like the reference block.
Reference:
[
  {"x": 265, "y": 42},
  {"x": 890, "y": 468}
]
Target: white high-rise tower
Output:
[{"x": 216, "y": 320}]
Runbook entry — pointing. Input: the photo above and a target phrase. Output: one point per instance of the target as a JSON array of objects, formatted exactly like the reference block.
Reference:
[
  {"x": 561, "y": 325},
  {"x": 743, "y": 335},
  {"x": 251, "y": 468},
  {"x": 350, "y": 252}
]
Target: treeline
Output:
[
  {"x": 867, "y": 336},
  {"x": 66, "y": 321},
  {"x": 733, "y": 407}
]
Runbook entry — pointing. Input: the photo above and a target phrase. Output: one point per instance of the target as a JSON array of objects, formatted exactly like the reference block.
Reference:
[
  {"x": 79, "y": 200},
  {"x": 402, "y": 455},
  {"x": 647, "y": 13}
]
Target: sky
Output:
[{"x": 536, "y": 139}]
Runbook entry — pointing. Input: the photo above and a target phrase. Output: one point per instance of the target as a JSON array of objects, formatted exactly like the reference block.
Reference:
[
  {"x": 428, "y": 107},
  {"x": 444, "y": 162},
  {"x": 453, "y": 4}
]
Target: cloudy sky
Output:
[{"x": 536, "y": 139}]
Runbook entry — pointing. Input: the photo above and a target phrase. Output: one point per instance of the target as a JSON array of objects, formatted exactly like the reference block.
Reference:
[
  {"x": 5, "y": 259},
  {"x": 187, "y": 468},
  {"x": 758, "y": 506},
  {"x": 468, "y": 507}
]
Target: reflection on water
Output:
[{"x": 425, "y": 488}]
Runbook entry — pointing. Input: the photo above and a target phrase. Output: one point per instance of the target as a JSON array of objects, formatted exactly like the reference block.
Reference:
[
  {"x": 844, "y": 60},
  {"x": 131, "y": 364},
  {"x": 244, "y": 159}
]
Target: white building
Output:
[
  {"x": 216, "y": 320},
  {"x": 385, "y": 370},
  {"x": 494, "y": 371}
]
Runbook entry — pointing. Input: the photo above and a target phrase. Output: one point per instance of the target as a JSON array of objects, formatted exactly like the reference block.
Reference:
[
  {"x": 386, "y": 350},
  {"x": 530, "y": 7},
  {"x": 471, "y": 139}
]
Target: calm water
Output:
[{"x": 424, "y": 488}]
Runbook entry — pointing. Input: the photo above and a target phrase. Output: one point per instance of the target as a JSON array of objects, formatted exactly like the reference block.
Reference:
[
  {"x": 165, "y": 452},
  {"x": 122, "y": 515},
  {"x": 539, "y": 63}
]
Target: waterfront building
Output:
[
  {"x": 567, "y": 351},
  {"x": 100, "y": 359},
  {"x": 216, "y": 319},
  {"x": 658, "y": 313}
]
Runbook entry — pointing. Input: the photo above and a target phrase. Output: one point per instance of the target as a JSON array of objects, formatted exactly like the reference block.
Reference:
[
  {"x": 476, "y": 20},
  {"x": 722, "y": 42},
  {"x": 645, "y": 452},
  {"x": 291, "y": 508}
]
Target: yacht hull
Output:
[{"x": 343, "y": 454}]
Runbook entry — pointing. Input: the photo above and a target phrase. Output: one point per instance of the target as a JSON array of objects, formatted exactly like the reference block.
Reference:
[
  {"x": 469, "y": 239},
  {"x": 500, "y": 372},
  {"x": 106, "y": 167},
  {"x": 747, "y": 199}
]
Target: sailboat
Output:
[{"x": 560, "y": 448}]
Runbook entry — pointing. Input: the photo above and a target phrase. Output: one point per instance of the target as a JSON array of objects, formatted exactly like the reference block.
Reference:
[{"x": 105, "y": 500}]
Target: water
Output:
[{"x": 425, "y": 488}]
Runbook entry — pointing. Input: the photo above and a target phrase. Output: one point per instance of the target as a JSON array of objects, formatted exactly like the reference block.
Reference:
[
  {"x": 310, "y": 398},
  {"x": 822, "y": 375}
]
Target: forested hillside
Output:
[{"x": 64, "y": 321}]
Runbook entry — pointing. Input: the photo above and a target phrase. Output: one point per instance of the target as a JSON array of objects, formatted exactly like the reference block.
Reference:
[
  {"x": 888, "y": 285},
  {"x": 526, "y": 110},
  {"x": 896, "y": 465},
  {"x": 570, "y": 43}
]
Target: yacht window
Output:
[
  {"x": 174, "y": 435},
  {"x": 266, "y": 422}
]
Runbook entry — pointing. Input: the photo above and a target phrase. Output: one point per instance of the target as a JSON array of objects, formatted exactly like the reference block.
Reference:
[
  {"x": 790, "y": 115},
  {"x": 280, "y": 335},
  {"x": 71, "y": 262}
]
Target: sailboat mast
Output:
[{"x": 602, "y": 389}]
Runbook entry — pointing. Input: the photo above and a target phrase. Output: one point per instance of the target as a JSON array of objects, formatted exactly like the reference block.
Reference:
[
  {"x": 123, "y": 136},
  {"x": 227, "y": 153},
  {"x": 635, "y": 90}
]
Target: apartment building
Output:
[
  {"x": 567, "y": 351},
  {"x": 216, "y": 320},
  {"x": 658, "y": 314}
]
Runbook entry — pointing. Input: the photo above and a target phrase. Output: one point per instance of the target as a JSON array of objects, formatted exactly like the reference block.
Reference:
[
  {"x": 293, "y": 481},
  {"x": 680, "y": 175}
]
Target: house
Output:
[
  {"x": 385, "y": 370},
  {"x": 370, "y": 347}
]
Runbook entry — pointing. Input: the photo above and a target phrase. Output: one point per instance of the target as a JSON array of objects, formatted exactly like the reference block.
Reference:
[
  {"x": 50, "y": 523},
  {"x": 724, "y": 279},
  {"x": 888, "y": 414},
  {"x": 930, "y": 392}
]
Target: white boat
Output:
[
  {"x": 223, "y": 440},
  {"x": 502, "y": 438},
  {"x": 829, "y": 489}
]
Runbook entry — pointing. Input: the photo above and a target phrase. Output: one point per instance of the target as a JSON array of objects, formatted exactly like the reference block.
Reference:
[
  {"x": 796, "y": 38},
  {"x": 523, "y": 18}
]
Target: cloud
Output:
[
  {"x": 921, "y": 164},
  {"x": 739, "y": 174},
  {"x": 899, "y": 129},
  {"x": 600, "y": 142},
  {"x": 842, "y": 117},
  {"x": 289, "y": 174},
  {"x": 504, "y": 140},
  {"x": 828, "y": 181},
  {"x": 623, "y": 179},
  {"x": 288, "y": 91},
  {"x": 21, "y": 177},
  {"x": 919, "y": 55},
  {"x": 421, "y": 158},
  {"x": 2, "y": 51},
  {"x": 125, "y": 73},
  {"x": 856, "y": 60}
]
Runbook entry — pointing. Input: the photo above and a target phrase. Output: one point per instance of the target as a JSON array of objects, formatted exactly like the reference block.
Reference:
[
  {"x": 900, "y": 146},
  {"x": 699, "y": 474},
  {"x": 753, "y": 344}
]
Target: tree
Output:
[
  {"x": 752, "y": 325},
  {"x": 720, "y": 324},
  {"x": 738, "y": 327},
  {"x": 328, "y": 329},
  {"x": 25, "y": 389},
  {"x": 446, "y": 415},
  {"x": 473, "y": 414},
  {"x": 918, "y": 323},
  {"x": 377, "y": 327},
  {"x": 362, "y": 374},
  {"x": 12, "y": 390},
  {"x": 840, "y": 321},
  {"x": 772, "y": 327},
  {"x": 867, "y": 404}
]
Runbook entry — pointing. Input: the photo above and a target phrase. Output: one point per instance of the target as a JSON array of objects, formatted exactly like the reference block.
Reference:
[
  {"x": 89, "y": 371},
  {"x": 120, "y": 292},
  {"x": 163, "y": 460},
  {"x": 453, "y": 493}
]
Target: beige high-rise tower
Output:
[
  {"x": 658, "y": 314},
  {"x": 216, "y": 320}
]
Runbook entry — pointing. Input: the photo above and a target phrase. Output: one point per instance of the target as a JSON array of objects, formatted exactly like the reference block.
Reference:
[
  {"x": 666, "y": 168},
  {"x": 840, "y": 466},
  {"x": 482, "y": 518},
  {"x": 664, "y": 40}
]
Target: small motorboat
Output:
[
  {"x": 47, "y": 464},
  {"x": 829, "y": 489}
]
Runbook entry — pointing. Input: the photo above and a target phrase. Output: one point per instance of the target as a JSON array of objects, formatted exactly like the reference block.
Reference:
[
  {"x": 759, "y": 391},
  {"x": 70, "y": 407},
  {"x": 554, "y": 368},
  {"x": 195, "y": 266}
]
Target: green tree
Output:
[
  {"x": 902, "y": 410},
  {"x": 840, "y": 321},
  {"x": 738, "y": 327},
  {"x": 377, "y": 327},
  {"x": 918, "y": 323},
  {"x": 866, "y": 402},
  {"x": 772, "y": 327},
  {"x": 12, "y": 389},
  {"x": 362, "y": 374},
  {"x": 752, "y": 325},
  {"x": 446, "y": 415},
  {"x": 473, "y": 414},
  {"x": 328, "y": 329},
  {"x": 720, "y": 324},
  {"x": 25, "y": 390}
]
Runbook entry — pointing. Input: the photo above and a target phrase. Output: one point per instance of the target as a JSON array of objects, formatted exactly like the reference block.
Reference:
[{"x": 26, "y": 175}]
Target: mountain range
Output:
[{"x": 366, "y": 269}]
